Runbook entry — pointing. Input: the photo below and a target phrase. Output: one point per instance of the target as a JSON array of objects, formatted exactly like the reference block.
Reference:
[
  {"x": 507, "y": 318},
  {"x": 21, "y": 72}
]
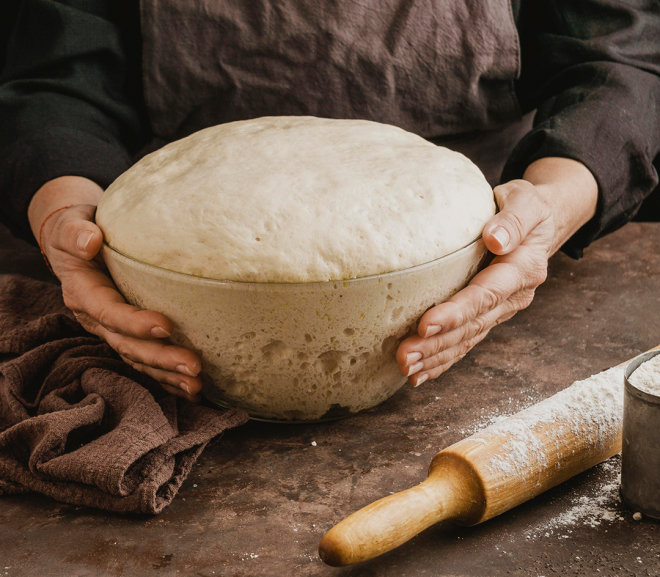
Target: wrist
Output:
[
  {"x": 570, "y": 191},
  {"x": 56, "y": 194}
]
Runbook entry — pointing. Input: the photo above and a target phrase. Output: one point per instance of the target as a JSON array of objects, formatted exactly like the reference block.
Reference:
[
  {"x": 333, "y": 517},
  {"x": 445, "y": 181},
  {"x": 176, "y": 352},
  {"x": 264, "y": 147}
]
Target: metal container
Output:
[{"x": 640, "y": 467}]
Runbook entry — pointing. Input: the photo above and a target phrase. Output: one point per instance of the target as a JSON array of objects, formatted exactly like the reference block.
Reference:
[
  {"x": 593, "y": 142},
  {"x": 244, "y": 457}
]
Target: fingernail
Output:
[
  {"x": 413, "y": 358},
  {"x": 422, "y": 379},
  {"x": 501, "y": 234},
  {"x": 84, "y": 236},
  {"x": 432, "y": 330},
  {"x": 415, "y": 369},
  {"x": 185, "y": 370},
  {"x": 159, "y": 333},
  {"x": 185, "y": 388}
]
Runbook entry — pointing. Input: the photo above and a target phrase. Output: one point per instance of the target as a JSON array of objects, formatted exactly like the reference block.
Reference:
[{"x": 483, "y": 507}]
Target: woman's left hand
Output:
[{"x": 521, "y": 236}]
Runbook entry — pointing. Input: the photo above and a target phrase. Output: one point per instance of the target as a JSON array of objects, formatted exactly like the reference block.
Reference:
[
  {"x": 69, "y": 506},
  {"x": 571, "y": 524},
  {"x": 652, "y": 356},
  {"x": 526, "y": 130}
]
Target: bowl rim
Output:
[{"x": 249, "y": 285}]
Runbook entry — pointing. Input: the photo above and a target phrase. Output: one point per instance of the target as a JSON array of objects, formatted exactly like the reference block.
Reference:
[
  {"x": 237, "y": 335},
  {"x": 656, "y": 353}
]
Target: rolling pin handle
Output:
[{"x": 392, "y": 520}]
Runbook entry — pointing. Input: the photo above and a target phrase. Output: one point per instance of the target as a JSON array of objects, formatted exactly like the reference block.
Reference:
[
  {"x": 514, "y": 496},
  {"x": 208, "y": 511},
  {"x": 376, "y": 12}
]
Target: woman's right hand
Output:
[{"x": 71, "y": 242}]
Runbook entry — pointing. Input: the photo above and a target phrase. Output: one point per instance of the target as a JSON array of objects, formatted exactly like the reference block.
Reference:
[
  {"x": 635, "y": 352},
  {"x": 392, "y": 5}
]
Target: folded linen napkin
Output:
[{"x": 77, "y": 423}]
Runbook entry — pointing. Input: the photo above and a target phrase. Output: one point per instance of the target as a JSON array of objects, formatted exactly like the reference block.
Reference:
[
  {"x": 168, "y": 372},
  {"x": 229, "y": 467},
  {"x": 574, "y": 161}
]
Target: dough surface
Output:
[{"x": 295, "y": 199}]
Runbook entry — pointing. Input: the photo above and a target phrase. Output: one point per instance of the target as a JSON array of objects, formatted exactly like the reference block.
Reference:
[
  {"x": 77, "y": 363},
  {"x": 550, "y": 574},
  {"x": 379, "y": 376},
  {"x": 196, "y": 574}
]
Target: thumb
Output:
[
  {"x": 76, "y": 234},
  {"x": 521, "y": 210}
]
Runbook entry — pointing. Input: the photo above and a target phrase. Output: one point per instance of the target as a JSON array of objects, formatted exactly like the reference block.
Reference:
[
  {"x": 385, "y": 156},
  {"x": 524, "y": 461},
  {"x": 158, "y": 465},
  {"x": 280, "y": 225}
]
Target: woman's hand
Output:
[
  {"x": 537, "y": 215},
  {"x": 71, "y": 242}
]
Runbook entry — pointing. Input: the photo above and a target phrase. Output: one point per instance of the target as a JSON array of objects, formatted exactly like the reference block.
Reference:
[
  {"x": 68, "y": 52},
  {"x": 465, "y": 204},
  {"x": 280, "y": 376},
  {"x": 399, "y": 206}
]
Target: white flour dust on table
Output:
[
  {"x": 600, "y": 505},
  {"x": 646, "y": 377}
]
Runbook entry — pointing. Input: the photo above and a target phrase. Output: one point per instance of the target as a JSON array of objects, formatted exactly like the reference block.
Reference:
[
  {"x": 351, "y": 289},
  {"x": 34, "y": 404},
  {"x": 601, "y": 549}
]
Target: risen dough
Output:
[{"x": 295, "y": 199}]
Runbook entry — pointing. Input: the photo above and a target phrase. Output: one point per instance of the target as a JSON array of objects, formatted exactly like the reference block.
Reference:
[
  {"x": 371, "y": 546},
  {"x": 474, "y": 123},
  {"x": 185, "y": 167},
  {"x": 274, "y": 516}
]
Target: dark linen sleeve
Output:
[
  {"x": 591, "y": 68},
  {"x": 70, "y": 98}
]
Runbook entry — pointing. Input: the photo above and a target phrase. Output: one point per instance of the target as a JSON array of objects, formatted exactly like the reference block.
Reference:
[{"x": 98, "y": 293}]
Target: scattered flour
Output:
[
  {"x": 590, "y": 410},
  {"x": 646, "y": 377},
  {"x": 490, "y": 417},
  {"x": 601, "y": 506}
]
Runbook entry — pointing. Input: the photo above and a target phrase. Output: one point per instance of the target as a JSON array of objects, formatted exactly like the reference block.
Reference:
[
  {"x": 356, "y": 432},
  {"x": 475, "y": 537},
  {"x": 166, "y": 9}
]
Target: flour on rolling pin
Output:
[
  {"x": 591, "y": 409},
  {"x": 646, "y": 377}
]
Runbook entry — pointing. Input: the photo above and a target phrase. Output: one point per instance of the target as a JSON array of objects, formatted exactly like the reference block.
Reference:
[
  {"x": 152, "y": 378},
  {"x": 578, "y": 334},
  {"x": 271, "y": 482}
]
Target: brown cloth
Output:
[{"x": 77, "y": 423}]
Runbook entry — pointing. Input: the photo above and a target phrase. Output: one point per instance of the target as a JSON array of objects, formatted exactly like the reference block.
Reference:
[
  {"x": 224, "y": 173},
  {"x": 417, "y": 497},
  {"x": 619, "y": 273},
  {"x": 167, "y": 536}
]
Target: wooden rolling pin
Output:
[{"x": 493, "y": 470}]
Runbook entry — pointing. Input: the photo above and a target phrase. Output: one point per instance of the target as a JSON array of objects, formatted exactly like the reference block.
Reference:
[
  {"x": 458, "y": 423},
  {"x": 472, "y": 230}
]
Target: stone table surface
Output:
[{"x": 258, "y": 502}]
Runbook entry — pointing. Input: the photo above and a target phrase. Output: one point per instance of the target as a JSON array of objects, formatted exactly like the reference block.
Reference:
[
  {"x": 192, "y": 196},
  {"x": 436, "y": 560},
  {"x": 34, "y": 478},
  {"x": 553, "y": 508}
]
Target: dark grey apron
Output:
[{"x": 443, "y": 69}]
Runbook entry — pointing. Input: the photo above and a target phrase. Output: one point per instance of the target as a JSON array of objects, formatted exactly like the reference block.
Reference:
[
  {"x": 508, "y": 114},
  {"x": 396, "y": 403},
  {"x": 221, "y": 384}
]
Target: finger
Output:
[
  {"x": 179, "y": 393},
  {"x": 442, "y": 357},
  {"x": 521, "y": 210},
  {"x": 457, "y": 351},
  {"x": 87, "y": 289},
  {"x": 173, "y": 384},
  {"x": 446, "y": 356},
  {"x": 487, "y": 290},
  {"x": 420, "y": 378},
  {"x": 76, "y": 234},
  {"x": 438, "y": 349},
  {"x": 172, "y": 359}
]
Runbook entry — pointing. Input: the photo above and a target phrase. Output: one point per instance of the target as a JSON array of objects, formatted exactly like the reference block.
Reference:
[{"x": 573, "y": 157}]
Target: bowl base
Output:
[{"x": 334, "y": 414}]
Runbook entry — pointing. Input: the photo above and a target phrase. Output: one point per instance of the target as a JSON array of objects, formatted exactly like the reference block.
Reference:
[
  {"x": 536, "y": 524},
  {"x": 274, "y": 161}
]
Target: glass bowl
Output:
[{"x": 299, "y": 351}]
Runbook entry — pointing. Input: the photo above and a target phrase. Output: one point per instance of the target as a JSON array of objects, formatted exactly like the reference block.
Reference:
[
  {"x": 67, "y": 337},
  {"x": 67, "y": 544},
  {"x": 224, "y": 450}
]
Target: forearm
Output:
[
  {"x": 570, "y": 191},
  {"x": 70, "y": 100},
  {"x": 591, "y": 71},
  {"x": 58, "y": 193}
]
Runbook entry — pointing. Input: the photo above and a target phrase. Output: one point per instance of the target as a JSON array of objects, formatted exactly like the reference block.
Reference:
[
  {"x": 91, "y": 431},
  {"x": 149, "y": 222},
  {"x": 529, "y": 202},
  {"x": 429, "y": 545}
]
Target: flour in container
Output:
[
  {"x": 646, "y": 377},
  {"x": 295, "y": 199}
]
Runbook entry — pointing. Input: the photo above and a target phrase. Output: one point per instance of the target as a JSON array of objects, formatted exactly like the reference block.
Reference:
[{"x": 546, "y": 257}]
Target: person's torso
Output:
[{"x": 440, "y": 69}]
